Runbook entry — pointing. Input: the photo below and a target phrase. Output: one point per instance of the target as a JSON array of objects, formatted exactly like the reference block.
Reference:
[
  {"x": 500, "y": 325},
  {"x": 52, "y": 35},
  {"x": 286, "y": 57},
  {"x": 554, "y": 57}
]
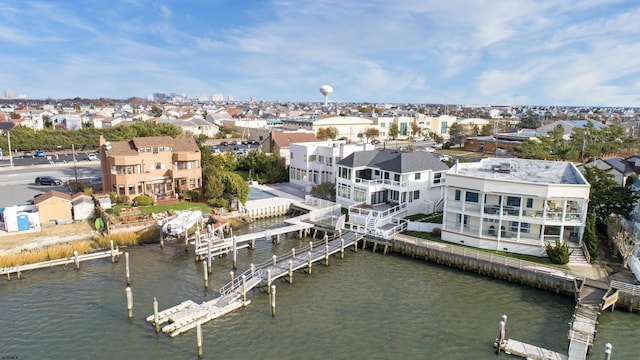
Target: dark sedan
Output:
[{"x": 47, "y": 180}]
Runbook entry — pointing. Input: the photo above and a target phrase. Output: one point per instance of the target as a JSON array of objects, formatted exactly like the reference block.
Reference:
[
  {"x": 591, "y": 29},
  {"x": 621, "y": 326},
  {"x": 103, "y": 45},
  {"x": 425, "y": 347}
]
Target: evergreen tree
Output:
[{"x": 590, "y": 238}]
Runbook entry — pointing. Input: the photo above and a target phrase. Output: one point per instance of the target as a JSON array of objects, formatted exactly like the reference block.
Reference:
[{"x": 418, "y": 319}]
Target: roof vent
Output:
[{"x": 504, "y": 168}]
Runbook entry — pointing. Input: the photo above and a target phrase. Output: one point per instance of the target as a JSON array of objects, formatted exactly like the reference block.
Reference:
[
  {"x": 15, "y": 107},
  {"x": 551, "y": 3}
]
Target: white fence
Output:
[
  {"x": 634, "y": 266},
  {"x": 422, "y": 226}
]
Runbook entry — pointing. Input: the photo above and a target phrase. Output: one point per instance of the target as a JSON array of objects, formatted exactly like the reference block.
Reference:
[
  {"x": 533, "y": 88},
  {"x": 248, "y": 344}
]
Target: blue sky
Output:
[{"x": 539, "y": 52}]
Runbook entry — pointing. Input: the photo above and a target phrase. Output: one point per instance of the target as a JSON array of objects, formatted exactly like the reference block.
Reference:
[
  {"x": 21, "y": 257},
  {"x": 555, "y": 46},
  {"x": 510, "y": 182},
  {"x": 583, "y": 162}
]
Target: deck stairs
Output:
[{"x": 577, "y": 256}]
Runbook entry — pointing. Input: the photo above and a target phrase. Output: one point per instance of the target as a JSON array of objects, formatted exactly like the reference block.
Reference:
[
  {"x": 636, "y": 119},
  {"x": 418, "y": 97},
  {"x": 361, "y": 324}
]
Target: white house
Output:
[
  {"x": 312, "y": 163},
  {"x": 515, "y": 205},
  {"x": 383, "y": 185}
]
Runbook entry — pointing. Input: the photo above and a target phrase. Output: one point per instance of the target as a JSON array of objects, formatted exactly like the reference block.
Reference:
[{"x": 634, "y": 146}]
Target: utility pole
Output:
[{"x": 75, "y": 169}]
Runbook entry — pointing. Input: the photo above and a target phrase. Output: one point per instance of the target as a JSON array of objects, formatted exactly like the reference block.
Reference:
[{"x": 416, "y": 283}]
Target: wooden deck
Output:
[{"x": 227, "y": 245}]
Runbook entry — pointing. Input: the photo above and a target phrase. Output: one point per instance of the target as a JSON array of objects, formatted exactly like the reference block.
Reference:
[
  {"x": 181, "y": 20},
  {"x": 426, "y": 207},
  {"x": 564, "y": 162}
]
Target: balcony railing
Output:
[{"x": 381, "y": 182}]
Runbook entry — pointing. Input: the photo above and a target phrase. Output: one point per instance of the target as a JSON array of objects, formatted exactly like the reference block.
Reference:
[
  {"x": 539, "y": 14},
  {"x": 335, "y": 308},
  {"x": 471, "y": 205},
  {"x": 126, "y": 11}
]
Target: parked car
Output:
[
  {"x": 27, "y": 154},
  {"x": 415, "y": 139},
  {"x": 224, "y": 143},
  {"x": 40, "y": 153},
  {"x": 47, "y": 180},
  {"x": 92, "y": 156},
  {"x": 429, "y": 149},
  {"x": 375, "y": 141}
]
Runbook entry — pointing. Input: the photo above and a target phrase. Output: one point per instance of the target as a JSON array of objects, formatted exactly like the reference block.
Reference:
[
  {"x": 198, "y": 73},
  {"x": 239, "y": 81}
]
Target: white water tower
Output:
[{"x": 326, "y": 90}]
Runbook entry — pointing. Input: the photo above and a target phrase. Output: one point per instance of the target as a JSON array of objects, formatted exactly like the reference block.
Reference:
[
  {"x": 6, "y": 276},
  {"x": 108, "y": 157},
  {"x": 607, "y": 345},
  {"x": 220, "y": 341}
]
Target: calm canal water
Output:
[{"x": 365, "y": 306}]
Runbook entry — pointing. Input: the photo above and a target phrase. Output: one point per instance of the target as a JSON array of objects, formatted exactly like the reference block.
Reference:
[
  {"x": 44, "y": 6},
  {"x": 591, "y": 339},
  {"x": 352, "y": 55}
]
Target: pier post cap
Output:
[
  {"x": 504, "y": 317},
  {"x": 608, "y": 348}
]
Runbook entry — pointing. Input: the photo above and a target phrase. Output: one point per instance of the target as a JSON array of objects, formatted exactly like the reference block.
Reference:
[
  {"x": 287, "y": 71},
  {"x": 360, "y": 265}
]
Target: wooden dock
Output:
[
  {"x": 186, "y": 315},
  {"x": 223, "y": 246},
  {"x": 76, "y": 259}
]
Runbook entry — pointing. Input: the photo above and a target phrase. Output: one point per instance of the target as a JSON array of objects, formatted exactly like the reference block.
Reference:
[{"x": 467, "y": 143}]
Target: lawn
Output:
[
  {"x": 151, "y": 209},
  {"x": 434, "y": 218}
]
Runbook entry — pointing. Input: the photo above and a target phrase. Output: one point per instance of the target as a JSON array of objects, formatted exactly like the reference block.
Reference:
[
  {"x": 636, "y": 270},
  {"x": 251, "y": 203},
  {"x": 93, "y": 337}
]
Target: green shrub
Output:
[
  {"x": 143, "y": 200},
  {"x": 436, "y": 232},
  {"x": 558, "y": 253}
]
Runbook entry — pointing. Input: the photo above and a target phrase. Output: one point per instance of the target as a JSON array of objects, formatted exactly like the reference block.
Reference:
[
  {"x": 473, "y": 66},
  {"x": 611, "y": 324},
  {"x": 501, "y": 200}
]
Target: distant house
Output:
[
  {"x": 82, "y": 206},
  {"x": 280, "y": 142},
  {"x": 317, "y": 162},
  {"x": 54, "y": 207}
]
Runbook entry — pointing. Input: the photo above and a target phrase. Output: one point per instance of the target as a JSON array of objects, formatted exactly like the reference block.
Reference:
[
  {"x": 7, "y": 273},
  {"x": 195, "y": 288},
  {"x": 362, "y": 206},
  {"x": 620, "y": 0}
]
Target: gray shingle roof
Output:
[{"x": 394, "y": 161}]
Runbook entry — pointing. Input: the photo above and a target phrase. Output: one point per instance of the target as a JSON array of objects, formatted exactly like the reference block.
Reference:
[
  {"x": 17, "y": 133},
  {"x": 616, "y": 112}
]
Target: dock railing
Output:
[{"x": 633, "y": 290}]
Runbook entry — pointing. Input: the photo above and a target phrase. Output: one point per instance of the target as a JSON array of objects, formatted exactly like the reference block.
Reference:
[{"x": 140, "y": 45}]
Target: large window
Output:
[
  {"x": 470, "y": 196},
  {"x": 513, "y": 201},
  {"x": 344, "y": 191},
  {"x": 345, "y": 173},
  {"x": 437, "y": 178},
  {"x": 359, "y": 194}
]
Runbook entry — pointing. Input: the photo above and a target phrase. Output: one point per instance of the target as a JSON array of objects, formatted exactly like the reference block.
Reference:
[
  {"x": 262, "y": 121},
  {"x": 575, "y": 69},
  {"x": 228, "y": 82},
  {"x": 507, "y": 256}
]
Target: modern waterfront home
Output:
[
  {"x": 380, "y": 187},
  {"x": 515, "y": 205},
  {"x": 313, "y": 163},
  {"x": 158, "y": 166}
]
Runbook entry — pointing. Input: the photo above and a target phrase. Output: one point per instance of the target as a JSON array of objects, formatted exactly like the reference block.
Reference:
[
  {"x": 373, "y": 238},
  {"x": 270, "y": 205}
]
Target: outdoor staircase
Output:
[
  {"x": 371, "y": 221},
  {"x": 577, "y": 256}
]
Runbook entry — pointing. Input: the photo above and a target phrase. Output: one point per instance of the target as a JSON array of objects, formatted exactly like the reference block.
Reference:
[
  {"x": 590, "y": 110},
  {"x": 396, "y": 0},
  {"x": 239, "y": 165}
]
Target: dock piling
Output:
[
  {"x": 342, "y": 248},
  {"x": 186, "y": 240},
  {"x": 309, "y": 261},
  {"x": 126, "y": 268},
  {"x": 310, "y": 245},
  {"x": 273, "y": 300},
  {"x": 76, "y": 259},
  {"x": 232, "y": 284},
  {"x": 244, "y": 288},
  {"x": 155, "y": 315},
  {"x": 129, "y": 302},
  {"x": 199, "y": 338},
  {"x": 293, "y": 253},
  {"x": 290, "y": 271},
  {"x": 326, "y": 255},
  {"x": 113, "y": 254},
  {"x": 161, "y": 239},
  {"x": 235, "y": 253},
  {"x": 269, "y": 280},
  {"x": 209, "y": 256},
  {"x": 275, "y": 260},
  {"x": 608, "y": 348},
  {"x": 206, "y": 275}
]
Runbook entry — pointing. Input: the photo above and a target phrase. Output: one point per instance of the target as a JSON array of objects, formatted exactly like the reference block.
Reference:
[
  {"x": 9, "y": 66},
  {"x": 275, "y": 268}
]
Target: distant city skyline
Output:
[{"x": 525, "y": 52}]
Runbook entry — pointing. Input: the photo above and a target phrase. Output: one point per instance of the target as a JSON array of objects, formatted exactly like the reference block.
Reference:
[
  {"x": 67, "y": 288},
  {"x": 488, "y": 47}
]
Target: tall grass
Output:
[
  {"x": 53, "y": 252},
  {"x": 60, "y": 251},
  {"x": 128, "y": 238}
]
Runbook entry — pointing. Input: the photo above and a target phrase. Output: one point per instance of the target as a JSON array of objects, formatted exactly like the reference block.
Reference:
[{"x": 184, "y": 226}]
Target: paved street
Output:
[{"x": 17, "y": 183}]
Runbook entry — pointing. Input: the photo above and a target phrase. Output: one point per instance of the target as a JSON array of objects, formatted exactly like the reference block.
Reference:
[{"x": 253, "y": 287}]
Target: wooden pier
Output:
[
  {"x": 216, "y": 246},
  {"x": 186, "y": 315},
  {"x": 76, "y": 259}
]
